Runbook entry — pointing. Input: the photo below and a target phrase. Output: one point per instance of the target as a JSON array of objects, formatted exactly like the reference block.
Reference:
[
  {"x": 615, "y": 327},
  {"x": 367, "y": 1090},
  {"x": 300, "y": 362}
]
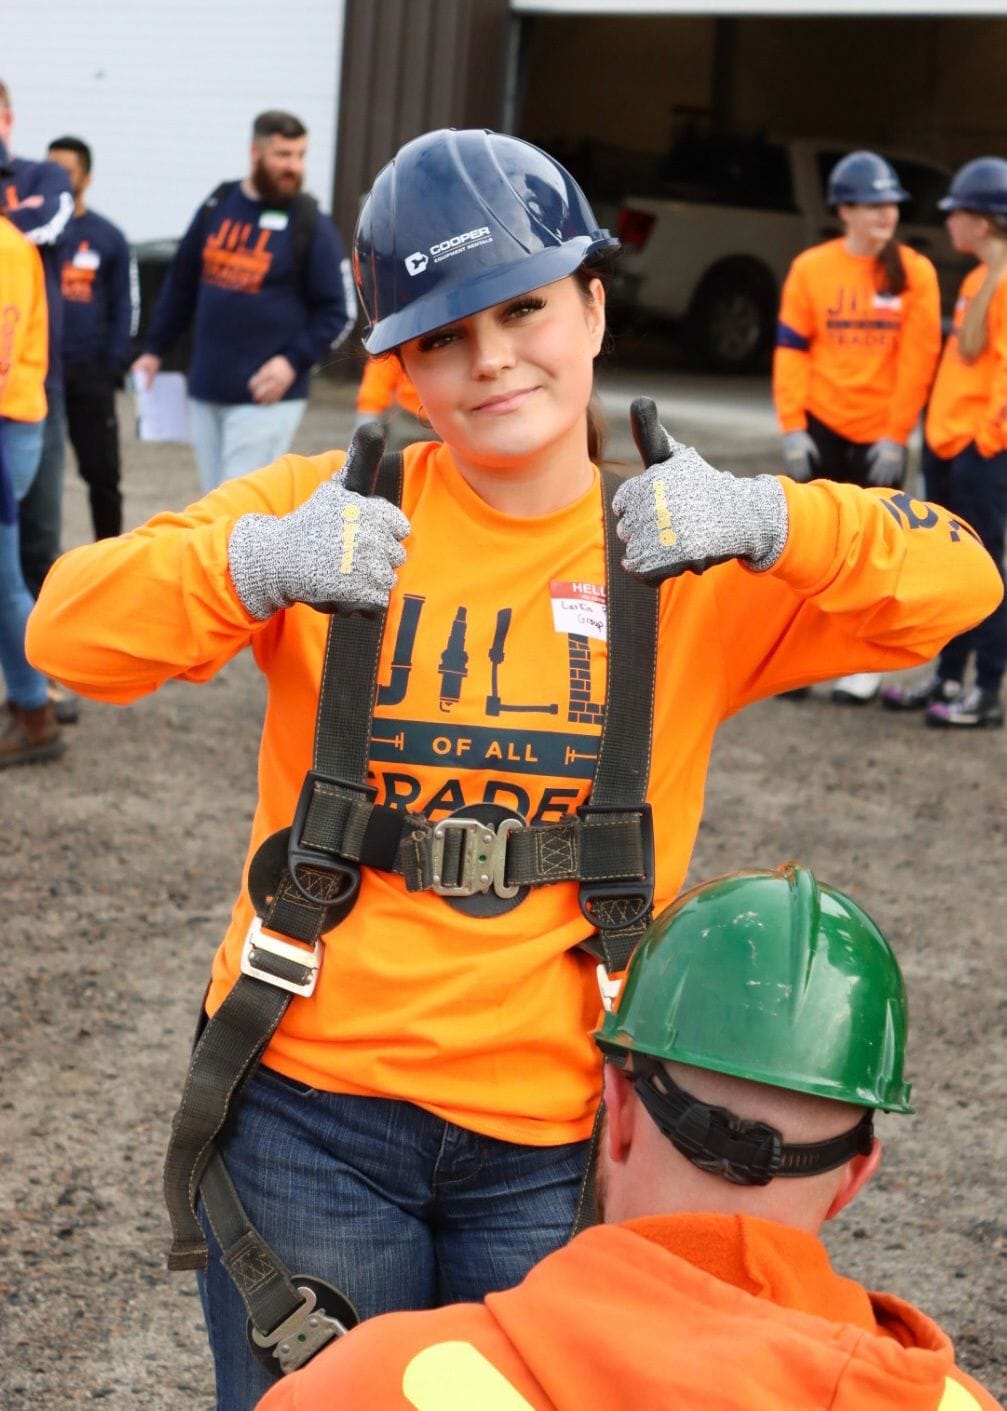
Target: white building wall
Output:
[{"x": 164, "y": 91}]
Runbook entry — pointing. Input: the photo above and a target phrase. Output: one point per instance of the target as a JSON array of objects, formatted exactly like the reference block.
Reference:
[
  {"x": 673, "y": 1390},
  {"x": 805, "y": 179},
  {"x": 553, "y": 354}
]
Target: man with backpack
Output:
[{"x": 265, "y": 278}]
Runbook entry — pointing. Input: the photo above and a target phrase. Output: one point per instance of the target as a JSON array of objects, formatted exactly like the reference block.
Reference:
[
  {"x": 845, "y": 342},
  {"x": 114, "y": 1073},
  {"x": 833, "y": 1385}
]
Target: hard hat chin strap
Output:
[{"x": 744, "y": 1152}]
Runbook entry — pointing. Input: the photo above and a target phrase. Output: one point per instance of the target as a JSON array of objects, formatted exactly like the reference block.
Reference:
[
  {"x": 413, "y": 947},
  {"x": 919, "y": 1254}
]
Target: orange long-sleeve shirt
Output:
[
  {"x": 24, "y": 328},
  {"x": 486, "y": 1022},
  {"x": 860, "y": 361},
  {"x": 969, "y": 400},
  {"x": 723, "y": 1312},
  {"x": 384, "y": 382}
]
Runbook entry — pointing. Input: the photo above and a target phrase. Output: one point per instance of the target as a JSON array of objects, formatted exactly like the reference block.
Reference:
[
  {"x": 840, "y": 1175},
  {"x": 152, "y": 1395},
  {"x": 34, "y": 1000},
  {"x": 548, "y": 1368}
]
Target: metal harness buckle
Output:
[
  {"x": 262, "y": 943},
  {"x": 483, "y": 861},
  {"x": 300, "y": 1336}
]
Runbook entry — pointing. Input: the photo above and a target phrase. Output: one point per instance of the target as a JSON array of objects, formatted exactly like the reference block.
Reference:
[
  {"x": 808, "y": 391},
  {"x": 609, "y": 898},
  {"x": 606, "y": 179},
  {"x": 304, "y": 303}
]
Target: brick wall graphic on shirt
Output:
[
  {"x": 231, "y": 261},
  {"x": 517, "y": 735}
]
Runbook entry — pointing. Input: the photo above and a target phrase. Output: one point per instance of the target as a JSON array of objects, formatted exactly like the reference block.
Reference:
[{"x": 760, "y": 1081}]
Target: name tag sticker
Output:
[
  {"x": 274, "y": 220},
  {"x": 888, "y": 301},
  {"x": 579, "y": 608},
  {"x": 86, "y": 259}
]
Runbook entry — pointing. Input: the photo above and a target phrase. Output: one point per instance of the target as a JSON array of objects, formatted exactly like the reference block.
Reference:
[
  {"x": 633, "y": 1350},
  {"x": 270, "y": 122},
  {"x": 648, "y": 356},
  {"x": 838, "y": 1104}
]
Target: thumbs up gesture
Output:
[{"x": 683, "y": 516}]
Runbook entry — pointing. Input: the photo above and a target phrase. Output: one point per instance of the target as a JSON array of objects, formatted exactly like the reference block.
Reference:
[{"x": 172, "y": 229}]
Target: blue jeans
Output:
[
  {"x": 20, "y": 448},
  {"x": 975, "y": 487},
  {"x": 232, "y": 440},
  {"x": 42, "y": 505},
  {"x": 393, "y": 1205}
]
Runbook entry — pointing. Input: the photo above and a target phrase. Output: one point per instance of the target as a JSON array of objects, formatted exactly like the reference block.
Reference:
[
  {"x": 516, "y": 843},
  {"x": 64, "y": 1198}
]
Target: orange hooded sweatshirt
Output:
[
  {"x": 383, "y": 384},
  {"x": 416, "y": 1000},
  {"x": 969, "y": 400},
  {"x": 858, "y": 360},
  {"x": 718, "y": 1312},
  {"x": 24, "y": 328}
]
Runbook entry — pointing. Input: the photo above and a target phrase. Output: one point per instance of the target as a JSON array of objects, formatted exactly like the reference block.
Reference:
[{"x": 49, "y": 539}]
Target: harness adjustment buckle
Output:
[
  {"x": 633, "y": 899},
  {"x": 297, "y": 1339},
  {"x": 482, "y": 863},
  {"x": 302, "y": 855},
  {"x": 259, "y": 944}
]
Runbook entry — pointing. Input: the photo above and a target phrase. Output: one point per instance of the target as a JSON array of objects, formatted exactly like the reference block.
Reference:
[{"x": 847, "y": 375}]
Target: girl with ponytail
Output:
[{"x": 965, "y": 460}]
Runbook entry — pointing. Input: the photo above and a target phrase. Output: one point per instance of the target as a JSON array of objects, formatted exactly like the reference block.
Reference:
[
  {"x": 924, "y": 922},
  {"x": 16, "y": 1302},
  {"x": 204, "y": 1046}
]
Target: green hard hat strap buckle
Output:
[{"x": 744, "y": 1152}]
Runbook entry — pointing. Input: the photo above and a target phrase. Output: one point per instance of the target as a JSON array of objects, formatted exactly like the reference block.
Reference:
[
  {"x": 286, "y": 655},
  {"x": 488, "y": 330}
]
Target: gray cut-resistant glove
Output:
[
  {"x": 338, "y": 551},
  {"x": 682, "y": 516},
  {"x": 886, "y": 462},
  {"x": 800, "y": 455}
]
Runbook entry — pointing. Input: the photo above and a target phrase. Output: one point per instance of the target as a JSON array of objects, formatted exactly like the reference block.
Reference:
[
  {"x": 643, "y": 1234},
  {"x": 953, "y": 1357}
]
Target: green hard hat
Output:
[{"x": 773, "y": 977}]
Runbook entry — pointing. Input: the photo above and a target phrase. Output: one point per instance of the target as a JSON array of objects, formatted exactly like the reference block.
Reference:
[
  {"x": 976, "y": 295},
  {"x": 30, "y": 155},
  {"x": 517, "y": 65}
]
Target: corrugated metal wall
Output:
[{"x": 409, "y": 66}]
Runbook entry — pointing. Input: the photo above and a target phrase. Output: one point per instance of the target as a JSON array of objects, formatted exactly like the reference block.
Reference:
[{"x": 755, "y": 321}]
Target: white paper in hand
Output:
[{"x": 162, "y": 411}]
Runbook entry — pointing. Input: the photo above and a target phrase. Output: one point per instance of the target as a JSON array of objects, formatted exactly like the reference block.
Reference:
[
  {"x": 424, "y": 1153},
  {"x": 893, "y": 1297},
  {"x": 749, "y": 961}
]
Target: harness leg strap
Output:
[{"x": 228, "y": 1050}]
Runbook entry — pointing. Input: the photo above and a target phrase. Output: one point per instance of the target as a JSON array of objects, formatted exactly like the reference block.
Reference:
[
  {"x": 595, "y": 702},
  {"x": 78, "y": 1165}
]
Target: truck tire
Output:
[{"x": 731, "y": 321}]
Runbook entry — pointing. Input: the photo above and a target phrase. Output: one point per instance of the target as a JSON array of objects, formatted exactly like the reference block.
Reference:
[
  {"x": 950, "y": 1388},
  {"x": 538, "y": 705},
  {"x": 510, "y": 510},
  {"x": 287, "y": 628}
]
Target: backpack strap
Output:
[
  {"x": 212, "y": 202},
  {"x": 304, "y": 214}
]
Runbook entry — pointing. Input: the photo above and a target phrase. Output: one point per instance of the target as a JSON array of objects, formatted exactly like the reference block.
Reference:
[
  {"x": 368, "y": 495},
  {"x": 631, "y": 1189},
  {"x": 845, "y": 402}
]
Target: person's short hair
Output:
[
  {"x": 73, "y": 144},
  {"x": 276, "y": 123},
  {"x": 4, "y": 95}
]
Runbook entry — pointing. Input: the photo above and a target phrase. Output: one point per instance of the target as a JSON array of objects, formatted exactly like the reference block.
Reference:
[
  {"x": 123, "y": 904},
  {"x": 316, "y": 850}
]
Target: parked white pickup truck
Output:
[{"x": 709, "y": 245}]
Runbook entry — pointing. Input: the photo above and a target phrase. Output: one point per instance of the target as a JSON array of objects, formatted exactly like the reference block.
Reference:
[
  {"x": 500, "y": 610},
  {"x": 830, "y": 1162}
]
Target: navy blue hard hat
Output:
[
  {"x": 864, "y": 179},
  {"x": 460, "y": 220},
  {"x": 980, "y": 185}
]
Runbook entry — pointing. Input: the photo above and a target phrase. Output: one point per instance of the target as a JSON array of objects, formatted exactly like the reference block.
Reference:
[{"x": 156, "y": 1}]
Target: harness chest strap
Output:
[{"x": 341, "y": 821}]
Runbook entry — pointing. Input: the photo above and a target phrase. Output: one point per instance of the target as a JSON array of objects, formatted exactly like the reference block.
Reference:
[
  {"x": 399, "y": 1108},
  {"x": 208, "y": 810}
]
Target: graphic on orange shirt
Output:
[
  {"x": 848, "y": 322},
  {"x": 517, "y": 749},
  {"x": 229, "y": 262},
  {"x": 78, "y": 275},
  {"x": 8, "y": 323}
]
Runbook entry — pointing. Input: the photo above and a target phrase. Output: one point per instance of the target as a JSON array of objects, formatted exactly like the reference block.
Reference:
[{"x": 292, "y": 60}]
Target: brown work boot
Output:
[{"x": 29, "y": 735}]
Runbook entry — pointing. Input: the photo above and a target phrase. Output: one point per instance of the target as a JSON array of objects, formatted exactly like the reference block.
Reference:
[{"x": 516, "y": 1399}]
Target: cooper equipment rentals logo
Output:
[{"x": 417, "y": 262}]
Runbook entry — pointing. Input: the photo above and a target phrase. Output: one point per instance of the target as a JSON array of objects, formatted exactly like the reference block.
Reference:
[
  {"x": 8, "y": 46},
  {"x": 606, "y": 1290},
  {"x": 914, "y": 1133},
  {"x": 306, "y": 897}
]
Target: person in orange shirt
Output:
[
  {"x": 418, "y": 1129},
  {"x": 29, "y": 730},
  {"x": 856, "y": 347},
  {"x": 965, "y": 464},
  {"x": 384, "y": 387},
  {"x": 739, "y": 1119}
]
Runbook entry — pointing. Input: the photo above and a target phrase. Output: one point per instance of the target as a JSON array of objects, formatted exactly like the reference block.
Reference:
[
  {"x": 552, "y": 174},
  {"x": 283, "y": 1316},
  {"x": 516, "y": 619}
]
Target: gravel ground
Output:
[{"x": 120, "y": 865}]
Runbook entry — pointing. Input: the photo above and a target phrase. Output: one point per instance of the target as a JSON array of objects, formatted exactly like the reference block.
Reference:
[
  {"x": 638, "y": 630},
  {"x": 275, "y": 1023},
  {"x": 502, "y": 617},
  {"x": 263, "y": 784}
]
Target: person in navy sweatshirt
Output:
[
  {"x": 101, "y": 308},
  {"x": 36, "y": 197},
  {"x": 266, "y": 278}
]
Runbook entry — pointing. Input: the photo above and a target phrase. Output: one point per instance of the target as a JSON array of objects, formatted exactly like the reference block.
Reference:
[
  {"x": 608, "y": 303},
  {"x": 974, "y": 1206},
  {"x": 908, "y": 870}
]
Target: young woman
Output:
[
  {"x": 418, "y": 1128},
  {"x": 965, "y": 463},
  {"x": 856, "y": 347}
]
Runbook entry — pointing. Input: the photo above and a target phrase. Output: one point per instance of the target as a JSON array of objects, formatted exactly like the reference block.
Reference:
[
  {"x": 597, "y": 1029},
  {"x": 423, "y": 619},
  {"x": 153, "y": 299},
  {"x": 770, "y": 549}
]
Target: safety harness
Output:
[{"x": 304, "y": 880}]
